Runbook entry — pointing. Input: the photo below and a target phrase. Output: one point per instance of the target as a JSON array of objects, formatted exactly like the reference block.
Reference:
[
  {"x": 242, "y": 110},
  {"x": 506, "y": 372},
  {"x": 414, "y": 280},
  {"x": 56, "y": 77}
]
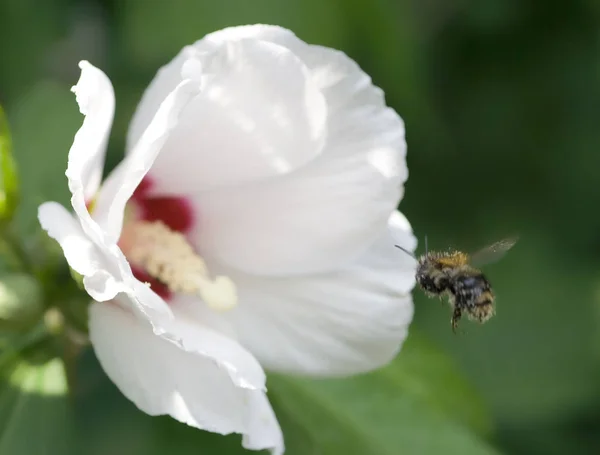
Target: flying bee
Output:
[{"x": 454, "y": 274}]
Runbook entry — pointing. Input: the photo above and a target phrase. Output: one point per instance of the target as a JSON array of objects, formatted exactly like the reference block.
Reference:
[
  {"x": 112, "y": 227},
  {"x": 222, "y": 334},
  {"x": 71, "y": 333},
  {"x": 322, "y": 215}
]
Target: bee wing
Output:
[{"x": 493, "y": 252}]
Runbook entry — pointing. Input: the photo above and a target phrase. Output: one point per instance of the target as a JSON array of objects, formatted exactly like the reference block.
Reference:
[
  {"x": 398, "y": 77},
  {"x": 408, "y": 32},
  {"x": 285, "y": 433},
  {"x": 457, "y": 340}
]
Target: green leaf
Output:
[
  {"x": 44, "y": 125},
  {"x": 417, "y": 405},
  {"x": 35, "y": 415},
  {"x": 431, "y": 375}
]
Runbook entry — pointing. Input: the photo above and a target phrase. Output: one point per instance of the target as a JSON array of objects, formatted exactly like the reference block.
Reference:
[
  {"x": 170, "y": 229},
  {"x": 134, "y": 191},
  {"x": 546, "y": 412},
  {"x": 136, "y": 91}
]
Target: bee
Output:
[{"x": 454, "y": 274}]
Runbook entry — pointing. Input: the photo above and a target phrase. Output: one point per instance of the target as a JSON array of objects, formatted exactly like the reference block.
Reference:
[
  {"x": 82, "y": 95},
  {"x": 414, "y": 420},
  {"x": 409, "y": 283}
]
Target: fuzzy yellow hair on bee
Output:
[{"x": 451, "y": 259}]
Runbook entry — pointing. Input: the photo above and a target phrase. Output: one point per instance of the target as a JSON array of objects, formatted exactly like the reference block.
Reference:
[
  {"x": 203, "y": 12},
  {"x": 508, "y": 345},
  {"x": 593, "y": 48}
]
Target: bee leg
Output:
[
  {"x": 456, "y": 314},
  {"x": 442, "y": 299}
]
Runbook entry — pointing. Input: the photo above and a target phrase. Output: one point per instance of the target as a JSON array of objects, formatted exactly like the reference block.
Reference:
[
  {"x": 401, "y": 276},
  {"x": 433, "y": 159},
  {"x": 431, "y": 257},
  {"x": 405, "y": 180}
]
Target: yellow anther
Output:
[{"x": 167, "y": 256}]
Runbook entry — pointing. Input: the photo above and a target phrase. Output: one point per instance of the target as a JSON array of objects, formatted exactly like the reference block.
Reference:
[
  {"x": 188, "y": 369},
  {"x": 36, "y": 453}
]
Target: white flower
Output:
[{"x": 271, "y": 164}]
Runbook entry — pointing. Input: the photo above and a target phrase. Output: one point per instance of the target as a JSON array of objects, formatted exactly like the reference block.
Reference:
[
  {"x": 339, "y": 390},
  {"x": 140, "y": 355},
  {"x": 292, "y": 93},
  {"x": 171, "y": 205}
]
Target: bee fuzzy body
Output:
[{"x": 448, "y": 274}]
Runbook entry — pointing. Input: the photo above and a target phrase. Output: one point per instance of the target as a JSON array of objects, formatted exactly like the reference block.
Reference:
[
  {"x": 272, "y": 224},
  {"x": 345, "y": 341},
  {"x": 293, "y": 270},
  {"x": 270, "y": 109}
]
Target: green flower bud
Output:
[
  {"x": 9, "y": 179},
  {"x": 21, "y": 302}
]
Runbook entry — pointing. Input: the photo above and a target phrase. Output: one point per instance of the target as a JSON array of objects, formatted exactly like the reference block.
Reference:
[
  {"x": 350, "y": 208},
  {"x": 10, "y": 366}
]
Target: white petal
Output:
[
  {"x": 243, "y": 369},
  {"x": 80, "y": 252},
  {"x": 119, "y": 186},
  {"x": 272, "y": 33},
  {"x": 96, "y": 99},
  {"x": 264, "y": 432},
  {"x": 105, "y": 273},
  {"x": 259, "y": 115},
  {"x": 95, "y": 96},
  {"x": 163, "y": 379},
  {"x": 83, "y": 255},
  {"x": 103, "y": 286},
  {"x": 166, "y": 79},
  {"x": 195, "y": 309},
  {"x": 327, "y": 212},
  {"x": 329, "y": 68},
  {"x": 169, "y": 75},
  {"x": 340, "y": 323}
]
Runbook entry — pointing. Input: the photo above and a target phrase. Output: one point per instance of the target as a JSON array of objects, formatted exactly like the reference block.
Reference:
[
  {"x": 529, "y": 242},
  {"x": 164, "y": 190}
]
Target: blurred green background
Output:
[{"x": 501, "y": 100}]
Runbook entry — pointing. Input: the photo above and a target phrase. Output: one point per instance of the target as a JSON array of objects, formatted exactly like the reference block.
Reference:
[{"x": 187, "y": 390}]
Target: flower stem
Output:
[
  {"x": 13, "y": 251},
  {"x": 74, "y": 344}
]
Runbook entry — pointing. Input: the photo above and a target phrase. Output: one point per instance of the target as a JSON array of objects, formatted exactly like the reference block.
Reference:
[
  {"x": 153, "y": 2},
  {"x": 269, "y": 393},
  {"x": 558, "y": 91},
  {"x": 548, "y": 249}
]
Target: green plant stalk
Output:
[
  {"x": 9, "y": 178},
  {"x": 13, "y": 251}
]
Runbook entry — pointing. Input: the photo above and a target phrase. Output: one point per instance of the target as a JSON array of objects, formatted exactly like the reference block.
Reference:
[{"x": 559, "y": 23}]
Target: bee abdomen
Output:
[
  {"x": 483, "y": 308},
  {"x": 485, "y": 298},
  {"x": 474, "y": 294},
  {"x": 471, "y": 290}
]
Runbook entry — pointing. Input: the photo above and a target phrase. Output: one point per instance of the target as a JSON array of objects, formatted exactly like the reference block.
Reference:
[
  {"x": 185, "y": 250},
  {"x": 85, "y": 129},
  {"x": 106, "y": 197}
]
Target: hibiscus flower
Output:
[{"x": 251, "y": 225}]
